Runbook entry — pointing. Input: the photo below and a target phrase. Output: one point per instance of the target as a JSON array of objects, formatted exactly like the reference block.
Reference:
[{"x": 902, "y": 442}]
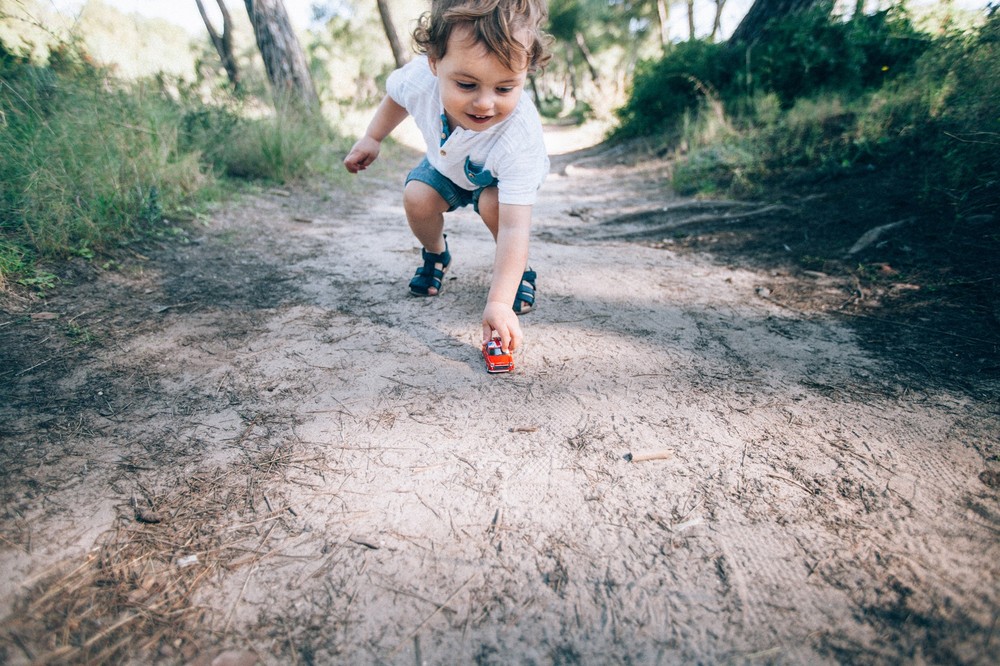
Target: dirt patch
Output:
[
  {"x": 254, "y": 443},
  {"x": 919, "y": 286}
]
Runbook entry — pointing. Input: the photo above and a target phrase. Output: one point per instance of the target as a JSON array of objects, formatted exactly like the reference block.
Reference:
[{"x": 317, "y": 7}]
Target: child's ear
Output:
[{"x": 433, "y": 64}]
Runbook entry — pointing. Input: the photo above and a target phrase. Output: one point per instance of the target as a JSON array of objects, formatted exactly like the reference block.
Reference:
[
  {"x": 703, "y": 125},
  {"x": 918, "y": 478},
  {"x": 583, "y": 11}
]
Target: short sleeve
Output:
[{"x": 411, "y": 84}]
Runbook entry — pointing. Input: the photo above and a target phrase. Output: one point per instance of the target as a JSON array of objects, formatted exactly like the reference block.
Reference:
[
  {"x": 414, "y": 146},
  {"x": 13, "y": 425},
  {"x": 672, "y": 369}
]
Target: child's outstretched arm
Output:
[
  {"x": 511, "y": 258},
  {"x": 387, "y": 117}
]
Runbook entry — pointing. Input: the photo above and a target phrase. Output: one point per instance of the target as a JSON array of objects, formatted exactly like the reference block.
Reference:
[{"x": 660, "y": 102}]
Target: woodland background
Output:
[{"x": 115, "y": 127}]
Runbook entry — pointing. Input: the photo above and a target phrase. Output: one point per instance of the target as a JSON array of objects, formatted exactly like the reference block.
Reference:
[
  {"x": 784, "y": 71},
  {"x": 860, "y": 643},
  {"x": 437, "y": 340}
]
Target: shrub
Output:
[
  {"x": 663, "y": 90},
  {"x": 813, "y": 51},
  {"x": 280, "y": 147},
  {"x": 937, "y": 124},
  {"x": 965, "y": 131},
  {"x": 81, "y": 157},
  {"x": 796, "y": 56},
  {"x": 88, "y": 162}
]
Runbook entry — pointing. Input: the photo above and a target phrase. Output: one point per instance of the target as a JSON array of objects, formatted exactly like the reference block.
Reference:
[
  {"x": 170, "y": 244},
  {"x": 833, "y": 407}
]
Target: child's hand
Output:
[
  {"x": 364, "y": 152},
  {"x": 500, "y": 317}
]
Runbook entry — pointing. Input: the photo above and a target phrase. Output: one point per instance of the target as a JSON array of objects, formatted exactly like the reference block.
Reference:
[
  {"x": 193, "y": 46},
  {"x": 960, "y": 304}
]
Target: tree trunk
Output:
[
  {"x": 717, "y": 22},
  {"x": 223, "y": 43},
  {"x": 283, "y": 57},
  {"x": 571, "y": 91},
  {"x": 588, "y": 59},
  {"x": 663, "y": 16},
  {"x": 762, "y": 11},
  {"x": 690, "y": 4},
  {"x": 398, "y": 53}
]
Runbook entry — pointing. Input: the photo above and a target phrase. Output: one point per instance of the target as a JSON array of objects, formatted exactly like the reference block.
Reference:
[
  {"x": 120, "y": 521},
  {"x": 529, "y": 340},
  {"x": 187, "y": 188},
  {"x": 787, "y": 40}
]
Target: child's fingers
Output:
[
  {"x": 513, "y": 340},
  {"x": 508, "y": 332},
  {"x": 500, "y": 318},
  {"x": 362, "y": 154},
  {"x": 490, "y": 331},
  {"x": 356, "y": 162}
]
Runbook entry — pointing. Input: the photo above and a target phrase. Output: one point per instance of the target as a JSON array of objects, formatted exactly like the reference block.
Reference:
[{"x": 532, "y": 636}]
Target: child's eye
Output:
[
  {"x": 504, "y": 90},
  {"x": 465, "y": 86}
]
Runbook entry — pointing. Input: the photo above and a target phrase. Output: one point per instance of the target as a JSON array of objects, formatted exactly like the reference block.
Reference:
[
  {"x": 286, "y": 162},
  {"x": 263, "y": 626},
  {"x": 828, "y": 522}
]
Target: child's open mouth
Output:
[{"x": 480, "y": 119}]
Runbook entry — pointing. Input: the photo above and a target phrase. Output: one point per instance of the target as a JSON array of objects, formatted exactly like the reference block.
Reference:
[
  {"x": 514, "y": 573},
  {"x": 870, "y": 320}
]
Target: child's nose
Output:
[{"x": 484, "y": 102}]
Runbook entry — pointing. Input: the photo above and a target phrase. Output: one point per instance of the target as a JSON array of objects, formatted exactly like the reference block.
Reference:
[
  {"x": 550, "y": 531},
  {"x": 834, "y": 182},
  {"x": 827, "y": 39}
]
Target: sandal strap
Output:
[
  {"x": 429, "y": 275},
  {"x": 524, "y": 301},
  {"x": 428, "y": 271},
  {"x": 443, "y": 258}
]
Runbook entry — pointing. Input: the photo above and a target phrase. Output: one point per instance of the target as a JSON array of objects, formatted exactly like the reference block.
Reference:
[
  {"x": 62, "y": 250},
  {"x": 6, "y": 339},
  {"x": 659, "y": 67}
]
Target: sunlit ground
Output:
[{"x": 561, "y": 139}]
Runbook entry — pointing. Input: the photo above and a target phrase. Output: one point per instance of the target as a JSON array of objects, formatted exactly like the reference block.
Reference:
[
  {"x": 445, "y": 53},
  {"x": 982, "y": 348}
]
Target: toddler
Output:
[{"x": 484, "y": 142}]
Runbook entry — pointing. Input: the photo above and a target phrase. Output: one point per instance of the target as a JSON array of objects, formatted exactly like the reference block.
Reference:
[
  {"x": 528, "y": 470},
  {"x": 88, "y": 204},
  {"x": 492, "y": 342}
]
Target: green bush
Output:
[
  {"x": 821, "y": 96},
  {"x": 281, "y": 147},
  {"x": 813, "y": 51},
  {"x": 88, "y": 162},
  {"x": 796, "y": 56},
  {"x": 964, "y": 131},
  {"x": 663, "y": 90},
  {"x": 724, "y": 167},
  {"x": 80, "y": 159}
]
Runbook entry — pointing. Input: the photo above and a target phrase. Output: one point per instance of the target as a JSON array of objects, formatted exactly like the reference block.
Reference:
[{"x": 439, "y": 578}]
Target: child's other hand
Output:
[
  {"x": 364, "y": 152},
  {"x": 500, "y": 317}
]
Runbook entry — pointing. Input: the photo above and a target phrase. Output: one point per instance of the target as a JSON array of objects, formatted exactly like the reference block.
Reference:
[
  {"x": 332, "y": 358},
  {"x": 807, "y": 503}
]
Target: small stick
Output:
[
  {"x": 649, "y": 455},
  {"x": 236, "y": 604},
  {"x": 793, "y": 482},
  {"x": 429, "y": 617},
  {"x": 364, "y": 541}
]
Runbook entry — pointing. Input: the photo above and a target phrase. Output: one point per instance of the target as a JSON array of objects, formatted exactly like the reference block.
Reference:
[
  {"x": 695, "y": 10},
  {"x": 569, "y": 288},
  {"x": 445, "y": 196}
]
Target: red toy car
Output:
[{"x": 496, "y": 359}]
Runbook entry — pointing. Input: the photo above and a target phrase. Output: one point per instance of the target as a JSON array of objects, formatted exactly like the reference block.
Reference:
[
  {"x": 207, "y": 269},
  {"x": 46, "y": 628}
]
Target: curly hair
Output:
[{"x": 496, "y": 24}]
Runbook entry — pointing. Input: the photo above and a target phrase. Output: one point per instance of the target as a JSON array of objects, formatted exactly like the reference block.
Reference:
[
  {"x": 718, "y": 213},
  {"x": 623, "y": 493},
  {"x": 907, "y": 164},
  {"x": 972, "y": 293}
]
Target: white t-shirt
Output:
[{"x": 513, "y": 151}]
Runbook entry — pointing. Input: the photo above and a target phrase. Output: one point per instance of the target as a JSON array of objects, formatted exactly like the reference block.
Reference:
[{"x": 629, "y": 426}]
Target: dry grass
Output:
[{"x": 134, "y": 595}]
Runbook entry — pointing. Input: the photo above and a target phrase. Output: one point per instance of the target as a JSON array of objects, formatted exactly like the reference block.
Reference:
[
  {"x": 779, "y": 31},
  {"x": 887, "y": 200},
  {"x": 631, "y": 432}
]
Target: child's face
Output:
[{"x": 477, "y": 90}]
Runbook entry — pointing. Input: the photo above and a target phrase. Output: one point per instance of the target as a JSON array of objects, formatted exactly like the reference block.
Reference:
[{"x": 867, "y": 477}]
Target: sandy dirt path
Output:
[{"x": 262, "y": 444}]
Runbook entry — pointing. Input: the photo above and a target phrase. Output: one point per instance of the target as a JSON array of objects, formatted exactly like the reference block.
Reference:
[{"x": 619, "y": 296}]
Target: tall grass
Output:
[
  {"x": 938, "y": 117},
  {"x": 279, "y": 147},
  {"x": 88, "y": 162}
]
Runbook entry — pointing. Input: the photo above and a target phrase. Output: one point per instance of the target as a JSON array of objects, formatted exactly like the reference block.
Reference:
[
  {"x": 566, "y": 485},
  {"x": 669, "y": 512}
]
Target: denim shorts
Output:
[{"x": 454, "y": 196}]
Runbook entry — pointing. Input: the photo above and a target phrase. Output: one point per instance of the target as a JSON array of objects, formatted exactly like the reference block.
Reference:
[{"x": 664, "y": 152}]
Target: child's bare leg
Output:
[
  {"x": 425, "y": 211},
  {"x": 489, "y": 209}
]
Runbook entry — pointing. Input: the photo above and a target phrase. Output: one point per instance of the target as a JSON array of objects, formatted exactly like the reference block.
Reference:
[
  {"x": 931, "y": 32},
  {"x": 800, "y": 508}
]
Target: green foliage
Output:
[
  {"x": 136, "y": 47},
  {"x": 88, "y": 162},
  {"x": 823, "y": 96},
  {"x": 960, "y": 86},
  {"x": 79, "y": 159},
  {"x": 129, "y": 45},
  {"x": 797, "y": 56},
  {"x": 566, "y": 17},
  {"x": 664, "y": 90},
  {"x": 722, "y": 167},
  {"x": 280, "y": 148},
  {"x": 39, "y": 280},
  {"x": 345, "y": 72},
  {"x": 813, "y": 51}
]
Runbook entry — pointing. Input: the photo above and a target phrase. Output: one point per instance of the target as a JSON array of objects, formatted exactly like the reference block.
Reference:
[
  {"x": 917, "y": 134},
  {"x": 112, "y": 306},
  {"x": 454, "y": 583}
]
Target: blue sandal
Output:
[
  {"x": 429, "y": 275},
  {"x": 525, "y": 299}
]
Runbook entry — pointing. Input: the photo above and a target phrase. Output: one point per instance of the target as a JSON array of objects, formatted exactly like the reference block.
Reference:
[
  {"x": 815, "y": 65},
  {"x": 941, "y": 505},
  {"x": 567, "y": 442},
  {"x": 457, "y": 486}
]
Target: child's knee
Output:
[
  {"x": 422, "y": 199},
  {"x": 488, "y": 204}
]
